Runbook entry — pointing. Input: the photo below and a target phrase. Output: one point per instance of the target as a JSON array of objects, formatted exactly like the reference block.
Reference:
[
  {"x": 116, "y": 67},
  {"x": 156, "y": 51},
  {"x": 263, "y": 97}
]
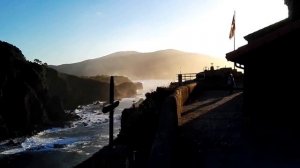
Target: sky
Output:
[{"x": 68, "y": 31}]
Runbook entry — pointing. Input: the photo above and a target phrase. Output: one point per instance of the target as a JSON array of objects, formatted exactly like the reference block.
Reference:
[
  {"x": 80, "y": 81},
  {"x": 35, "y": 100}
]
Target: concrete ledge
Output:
[
  {"x": 181, "y": 95},
  {"x": 169, "y": 119}
]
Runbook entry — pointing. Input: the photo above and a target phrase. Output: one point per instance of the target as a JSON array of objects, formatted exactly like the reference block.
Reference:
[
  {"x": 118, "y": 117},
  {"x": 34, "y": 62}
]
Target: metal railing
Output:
[{"x": 187, "y": 77}]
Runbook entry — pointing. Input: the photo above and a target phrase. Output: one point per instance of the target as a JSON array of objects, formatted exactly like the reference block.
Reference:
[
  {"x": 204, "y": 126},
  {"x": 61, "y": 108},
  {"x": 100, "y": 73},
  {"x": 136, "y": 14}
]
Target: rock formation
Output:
[{"x": 25, "y": 103}]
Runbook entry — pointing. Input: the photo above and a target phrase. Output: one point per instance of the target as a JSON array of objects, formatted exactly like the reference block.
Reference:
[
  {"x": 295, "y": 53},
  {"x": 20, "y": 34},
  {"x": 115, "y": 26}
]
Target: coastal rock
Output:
[
  {"x": 139, "y": 85},
  {"x": 127, "y": 89}
]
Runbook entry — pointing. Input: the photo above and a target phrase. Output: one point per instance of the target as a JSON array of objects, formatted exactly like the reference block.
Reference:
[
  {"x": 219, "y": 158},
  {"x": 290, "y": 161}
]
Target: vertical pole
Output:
[
  {"x": 180, "y": 79},
  {"x": 111, "y": 113},
  {"x": 234, "y": 41},
  {"x": 234, "y": 37},
  {"x": 234, "y": 48}
]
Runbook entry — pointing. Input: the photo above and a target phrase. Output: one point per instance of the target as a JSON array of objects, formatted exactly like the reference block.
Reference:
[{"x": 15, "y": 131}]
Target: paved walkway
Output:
[
  {"x": 213, "y": 136},
  {"x": 208, "y": 102}
]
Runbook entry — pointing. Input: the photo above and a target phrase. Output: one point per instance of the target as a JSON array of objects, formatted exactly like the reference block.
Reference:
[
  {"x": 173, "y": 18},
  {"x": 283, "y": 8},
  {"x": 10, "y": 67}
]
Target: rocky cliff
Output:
[{"x": 25, "y": 104}]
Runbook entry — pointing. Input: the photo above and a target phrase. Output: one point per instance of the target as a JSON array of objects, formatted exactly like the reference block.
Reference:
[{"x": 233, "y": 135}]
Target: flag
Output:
[{"x": 232, "y": 29}]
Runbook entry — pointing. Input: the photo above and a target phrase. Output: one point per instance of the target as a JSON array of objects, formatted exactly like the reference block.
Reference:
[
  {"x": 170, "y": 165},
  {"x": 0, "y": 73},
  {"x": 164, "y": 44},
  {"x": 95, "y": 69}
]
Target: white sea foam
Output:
[
  {"x": 71, "y": 138},
  {"x": 36, "y": 143},
  {"x": 51, "y": 130},
  {"x": 12, "y": 151}
]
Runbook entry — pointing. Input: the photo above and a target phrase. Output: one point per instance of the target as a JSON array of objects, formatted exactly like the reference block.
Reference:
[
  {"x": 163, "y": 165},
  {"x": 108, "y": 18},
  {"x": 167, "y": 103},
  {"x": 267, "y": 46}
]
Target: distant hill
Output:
[{"x": 164, "y": 64}]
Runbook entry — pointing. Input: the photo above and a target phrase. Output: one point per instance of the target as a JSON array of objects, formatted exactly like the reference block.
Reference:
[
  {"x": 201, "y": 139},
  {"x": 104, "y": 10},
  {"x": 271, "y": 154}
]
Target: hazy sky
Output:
[{"x": 66, "y": 31}]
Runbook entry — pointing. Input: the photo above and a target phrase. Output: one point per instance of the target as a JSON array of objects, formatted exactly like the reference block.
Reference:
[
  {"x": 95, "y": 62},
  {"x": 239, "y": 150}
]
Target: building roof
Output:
[
  {"x": 263, "y": 37},
  {"x": 260, "y": 33}
]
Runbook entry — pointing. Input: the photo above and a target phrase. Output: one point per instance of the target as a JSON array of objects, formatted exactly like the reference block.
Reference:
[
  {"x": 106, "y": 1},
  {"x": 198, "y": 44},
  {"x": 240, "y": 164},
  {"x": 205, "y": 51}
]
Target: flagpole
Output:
[
  {"x": 234, "y": 42},
  {"x": 234, "y": 32},
  {"x": 234, "y": 38},
  {"x": 234, "y": 49}
]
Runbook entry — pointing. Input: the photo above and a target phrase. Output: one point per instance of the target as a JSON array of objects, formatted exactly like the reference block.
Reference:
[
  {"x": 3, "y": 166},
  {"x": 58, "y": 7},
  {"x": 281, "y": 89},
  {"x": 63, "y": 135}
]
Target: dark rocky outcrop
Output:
[
  {"x": 127, "y": 89},
  {"x": 139, "y": 85},
  {"x": 26, "y": 105},
  {"x": 73, "y": 90},
  {"x": 124, "y": 86},
  {"x": 106, "y": 79}
]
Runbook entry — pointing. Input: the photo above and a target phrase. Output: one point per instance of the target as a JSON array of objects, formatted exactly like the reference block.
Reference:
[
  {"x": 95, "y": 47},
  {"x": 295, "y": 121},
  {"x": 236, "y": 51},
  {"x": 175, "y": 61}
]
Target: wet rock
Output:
[{"x": 59, "y": 145}]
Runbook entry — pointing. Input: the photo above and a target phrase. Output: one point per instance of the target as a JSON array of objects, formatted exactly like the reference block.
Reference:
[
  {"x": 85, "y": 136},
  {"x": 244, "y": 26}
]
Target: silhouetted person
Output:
[{"x": 230, "y": 83}]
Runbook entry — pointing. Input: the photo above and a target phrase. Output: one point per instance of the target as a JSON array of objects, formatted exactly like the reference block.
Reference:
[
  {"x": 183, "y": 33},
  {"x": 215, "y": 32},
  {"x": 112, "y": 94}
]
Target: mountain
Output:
[{"x": 163, "y": 64}]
